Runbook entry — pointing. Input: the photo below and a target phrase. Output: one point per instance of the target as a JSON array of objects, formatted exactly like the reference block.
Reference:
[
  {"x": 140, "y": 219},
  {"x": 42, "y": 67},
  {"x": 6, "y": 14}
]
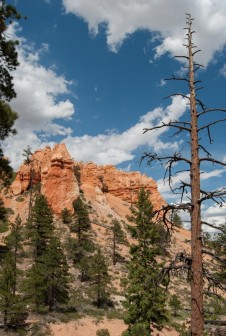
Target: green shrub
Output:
[
  {"x": 102, "y": 332},
  {"x": 20, "y": 199}
]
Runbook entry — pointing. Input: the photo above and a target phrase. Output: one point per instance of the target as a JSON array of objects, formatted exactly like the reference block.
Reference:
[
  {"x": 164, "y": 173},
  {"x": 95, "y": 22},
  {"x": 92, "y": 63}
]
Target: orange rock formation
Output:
[{"x": 54, "y": 170}]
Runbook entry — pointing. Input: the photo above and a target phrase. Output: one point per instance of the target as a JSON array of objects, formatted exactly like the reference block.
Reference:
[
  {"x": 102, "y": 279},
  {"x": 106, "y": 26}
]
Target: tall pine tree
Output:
[
  {"x": 82, "y": 246},
  {"x": 40, "y": 231},
  {"x": 11, "y": 300},
  {"x": 100, "y": 279},
  {"x": 40, "y": 227},
  {"x": 56, "y": 275},
  {"x": 145, "y": 299}
]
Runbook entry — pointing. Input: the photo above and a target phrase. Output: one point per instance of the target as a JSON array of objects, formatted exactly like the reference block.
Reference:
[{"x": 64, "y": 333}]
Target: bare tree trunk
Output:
[{"x": 197, "y": 319}]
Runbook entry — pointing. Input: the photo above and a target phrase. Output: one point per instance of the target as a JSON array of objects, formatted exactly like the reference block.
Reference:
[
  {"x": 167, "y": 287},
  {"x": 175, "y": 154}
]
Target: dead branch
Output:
[
  {"x": 177, "y": 94},
  {"x": 211, "y": 110},
  {"x": 211, "y": 124},
  {"x": 214, "y": 255},
  {"x": 219, "y": 228},
  {"x": 213, "y": 161}
]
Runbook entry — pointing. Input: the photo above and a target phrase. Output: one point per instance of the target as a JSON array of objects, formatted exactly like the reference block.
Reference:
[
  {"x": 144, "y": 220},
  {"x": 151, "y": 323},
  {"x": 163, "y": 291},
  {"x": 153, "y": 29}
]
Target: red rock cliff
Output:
[{"x": 54, "y": 170}]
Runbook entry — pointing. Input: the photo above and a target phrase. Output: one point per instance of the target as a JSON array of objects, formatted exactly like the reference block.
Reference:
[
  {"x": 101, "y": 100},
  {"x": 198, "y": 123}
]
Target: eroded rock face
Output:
[
  {"x": 54, "y": 170},
  {"x": 124, "y": 185}
]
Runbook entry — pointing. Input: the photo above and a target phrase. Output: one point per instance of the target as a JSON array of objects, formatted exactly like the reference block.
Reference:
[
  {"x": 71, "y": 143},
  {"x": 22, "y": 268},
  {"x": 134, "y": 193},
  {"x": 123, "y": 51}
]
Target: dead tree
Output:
[{"x": 195, "y": 194}]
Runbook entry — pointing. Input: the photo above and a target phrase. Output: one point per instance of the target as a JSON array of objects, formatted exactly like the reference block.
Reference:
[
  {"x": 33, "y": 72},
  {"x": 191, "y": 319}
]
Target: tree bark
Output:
[{"x": 197, "y": 319}]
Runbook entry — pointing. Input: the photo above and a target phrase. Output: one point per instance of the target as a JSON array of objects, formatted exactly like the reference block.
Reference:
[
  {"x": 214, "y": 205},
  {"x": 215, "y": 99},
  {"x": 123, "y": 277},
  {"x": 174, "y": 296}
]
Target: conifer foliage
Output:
[
  {"x": 40, "y": 226},
  {"x": 48, "y": 278},
  {"x": 118, "y": 237},
  {"x": 81, "y": 247},
  {"x": 100, "y": 278},
  {"x": 145, "y": 299},
  {"x": 11, "y": 300}
]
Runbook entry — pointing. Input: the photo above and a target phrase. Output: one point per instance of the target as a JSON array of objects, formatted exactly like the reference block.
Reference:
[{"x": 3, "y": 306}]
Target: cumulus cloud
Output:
[
  {"x": 164, "y": 188},
  {"x": 115, "y": 148},
  {"x": 164, "y": 18},
  {"x": 37, "y": 102}
]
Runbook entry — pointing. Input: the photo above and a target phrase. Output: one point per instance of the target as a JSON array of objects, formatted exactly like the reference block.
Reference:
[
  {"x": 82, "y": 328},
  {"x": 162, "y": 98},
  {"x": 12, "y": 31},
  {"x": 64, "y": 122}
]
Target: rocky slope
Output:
[{"x": 109, "y": 193}]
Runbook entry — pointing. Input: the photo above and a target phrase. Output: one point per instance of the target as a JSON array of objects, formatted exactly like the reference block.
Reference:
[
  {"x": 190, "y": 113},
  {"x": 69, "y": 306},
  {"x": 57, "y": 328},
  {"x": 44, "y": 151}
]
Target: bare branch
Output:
[
  {"x": 154, "y": 157},
  {"x": 195, "y": 52},
  {"x": 219, "y": 228},
  {"x": 170, "y": 123},
  {"x": 214, "y": 255},
  {"x": 213, "y": 161},
  {"x": 177, "y": 78},
  {"x": 211, "y": 110},
  {"x": 177, "y": 94},
  {"x": 211, "y": 124},
  {"x": 214, "y": 195}
]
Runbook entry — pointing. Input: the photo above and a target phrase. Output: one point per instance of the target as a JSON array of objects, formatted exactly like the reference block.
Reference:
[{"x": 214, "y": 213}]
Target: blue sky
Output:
[{"x": 92, "y": 73}]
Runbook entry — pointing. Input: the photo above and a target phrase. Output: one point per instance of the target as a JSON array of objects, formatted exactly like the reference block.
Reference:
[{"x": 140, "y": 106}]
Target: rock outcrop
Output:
[{"x": 55, "y": 172}]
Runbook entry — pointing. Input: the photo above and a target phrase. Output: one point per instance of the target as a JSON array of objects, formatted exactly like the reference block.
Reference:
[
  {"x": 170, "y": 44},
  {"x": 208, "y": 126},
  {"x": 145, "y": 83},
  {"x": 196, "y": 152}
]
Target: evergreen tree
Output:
[
  {"x": 48, "y": 281},
  {"x": 82, "y": 247},
  {"x": 81, "y": 222},
  {"x": 11, "y": 302},
  {"x": 14, "y": 243},
  {"x": 8, "y": 53},
  {"x": 56, "y": 274},
  {"x": 100, "y": 279},
  {"x": 118, "y": 237},
  {"x": 3, "y": 212},
  {"x": 145, "y": 299},
  {"x": 6, "y": 171},
  {"x": 220, "y": 248},
  {"x": 9, "y": 62},
  {"x": 66, "y": 216},
  {"x": 175, "y": 304},
  {"x": 177, "y": 220},
  {"x": 40, "y": 230},
  {"x": 41, "y": 225}
]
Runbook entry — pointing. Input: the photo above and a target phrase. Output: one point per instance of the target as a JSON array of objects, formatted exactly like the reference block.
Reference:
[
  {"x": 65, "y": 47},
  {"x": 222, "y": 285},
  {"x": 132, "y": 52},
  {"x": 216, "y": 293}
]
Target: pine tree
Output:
[
  {"x": 9, "y": 62},
  {"x": 3, "y": 213},
  {"x": 145, "y": 299},
  {"x": 14, "y": 243},
  {"x": 100, "y": 279},
  {"x": 81, "y": 222},
  {"x": 40, "y": 230},
  {"x": 81, "y": 247},
  {"x": 48, "y": 281},
  {"x": 175, "y": 304},
  {"x": 41, "y": 225},
  {"x": 118, "y": 237},
  {"x": 66, "y": 216},
  {"x": 11, "y": 302},
  {"x": 9, "y": 56},
  {"x": 56, "y": 274}
]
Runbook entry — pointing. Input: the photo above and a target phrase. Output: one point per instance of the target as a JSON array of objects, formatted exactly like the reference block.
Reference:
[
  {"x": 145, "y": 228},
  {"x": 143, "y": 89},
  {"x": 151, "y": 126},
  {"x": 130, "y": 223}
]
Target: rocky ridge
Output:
[{"x": 54, "y": 170}]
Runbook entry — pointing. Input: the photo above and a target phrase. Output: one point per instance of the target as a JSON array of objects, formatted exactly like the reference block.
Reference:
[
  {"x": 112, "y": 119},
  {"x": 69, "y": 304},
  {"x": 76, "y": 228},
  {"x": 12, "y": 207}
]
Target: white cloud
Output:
[
  {"x": 114, "y": 148},
  {"x": 214, "y": 173},
  {"x": 38, "y": 106},
  {"x": 163, "y": 17},
  {"x": 164, "y": 188},
  {"x": 37, "y": 102}
]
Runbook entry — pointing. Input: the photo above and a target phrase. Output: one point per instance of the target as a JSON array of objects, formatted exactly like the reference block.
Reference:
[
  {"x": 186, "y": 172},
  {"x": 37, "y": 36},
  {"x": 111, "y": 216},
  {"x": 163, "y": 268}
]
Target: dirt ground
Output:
[{"x": 89, "y": 326}]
